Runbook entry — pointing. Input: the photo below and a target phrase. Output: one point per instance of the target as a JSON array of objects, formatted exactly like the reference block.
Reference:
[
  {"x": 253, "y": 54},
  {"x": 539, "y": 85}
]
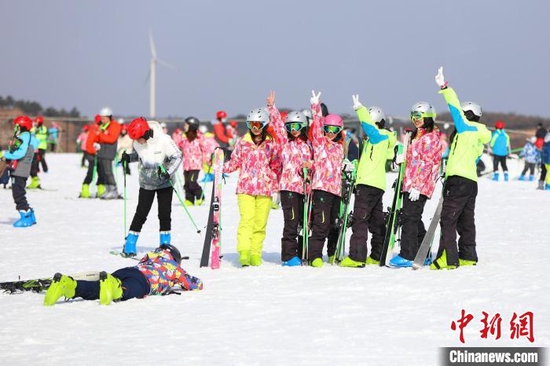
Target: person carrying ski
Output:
[
  {"x": 157, "y": 273},
  {"x": 195, "y": 155},
  {"x": 41, "y": 133},
  {"x": 295, "y": 154},
  {"x": 257, "y": 157},
  {"x": 500, "y": 144},
  {"x": 159, "y": 159},
  {"x": 19, "y": 156},
  {"x": 421, "y": 173},
  {"x": 532, "y": 157},
  {"x": 460, "y": 189},
  {"x": 326, "y": 184},
  {"x": 368, "y": 213}
]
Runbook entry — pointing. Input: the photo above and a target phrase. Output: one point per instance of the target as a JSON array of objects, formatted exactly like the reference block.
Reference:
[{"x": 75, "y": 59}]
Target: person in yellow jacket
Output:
[
  {"x": 460, "y": 189},
  {"x": 41, "y": 133}
]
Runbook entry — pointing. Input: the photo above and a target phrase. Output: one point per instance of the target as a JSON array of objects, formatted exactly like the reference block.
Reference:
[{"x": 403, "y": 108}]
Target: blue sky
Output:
[{"x": 230, "y": 54}]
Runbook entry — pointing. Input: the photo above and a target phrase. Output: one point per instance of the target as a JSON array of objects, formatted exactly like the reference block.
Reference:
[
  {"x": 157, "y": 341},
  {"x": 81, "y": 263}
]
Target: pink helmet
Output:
[{"x": 334, "y": 120}]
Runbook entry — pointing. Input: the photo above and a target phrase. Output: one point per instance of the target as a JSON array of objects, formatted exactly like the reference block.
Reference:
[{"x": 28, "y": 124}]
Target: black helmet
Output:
[
  {"x": 173, "y": 250},
  {"x": 193, "y": 123}
]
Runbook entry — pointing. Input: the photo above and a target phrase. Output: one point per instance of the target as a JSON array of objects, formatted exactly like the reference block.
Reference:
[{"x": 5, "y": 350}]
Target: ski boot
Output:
[
  {"x": 495, "y": 177},
  {"x": 372, "y": 262},
  {"x": 110, "y": 288},
  {"x": 61, "y": 286},
  {"x": 521, "y": 177},
  {"x": 541, "y": 185},
  {"x": 100, "y": 190},
  {"x": 293, "y": 262},
  {"x": 506, "y": 176},
  {"x": 441, "y": 263},
  {"x": 129, "y": 249},
  {"x": 27, "y": 218},
  {"x": 35, "y": 183},
  {"x": 165, "y": 237},
  {"x": 188, "y": 203},
  {"x": 255, "y": 260},
  {"x": 317, "y": 263},
  {"x": 400, "y": 262},
  {"x": 111, "y": 193},
  {"x": 199, "y": 202},
  {"x": 331, "y": 259},
  {"x": 466, "y": 262},
  {"x": 244, "y": 258},
  {"x": 531, "y": 178},
  {"x": 85, "y": 192},
  {"x": 350, "y": 263}
]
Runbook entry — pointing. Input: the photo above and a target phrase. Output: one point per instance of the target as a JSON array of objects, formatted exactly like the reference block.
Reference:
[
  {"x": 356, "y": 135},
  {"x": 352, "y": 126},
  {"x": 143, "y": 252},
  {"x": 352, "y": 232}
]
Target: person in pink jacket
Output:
[
  {"x": 256, "y": 155},
  {"x": 326, "y": 184},
  {"x": 421, "y": 174},
  {"x": 192, "y": 146},
  {"x": 296, "y": 153}
]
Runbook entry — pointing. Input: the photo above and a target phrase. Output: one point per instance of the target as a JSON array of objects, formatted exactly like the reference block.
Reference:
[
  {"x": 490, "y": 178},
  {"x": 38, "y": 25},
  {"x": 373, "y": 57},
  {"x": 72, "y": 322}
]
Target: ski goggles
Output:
[
  {"x": 416, "y": 116},
  {"x": 332, "y": 129},
  {"x": 294, "y": 126},
  {"x": 254, "y": 124}
]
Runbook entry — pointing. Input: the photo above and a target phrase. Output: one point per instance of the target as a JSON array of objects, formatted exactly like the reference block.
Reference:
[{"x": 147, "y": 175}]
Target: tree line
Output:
[{"x": 34, "y": 108}]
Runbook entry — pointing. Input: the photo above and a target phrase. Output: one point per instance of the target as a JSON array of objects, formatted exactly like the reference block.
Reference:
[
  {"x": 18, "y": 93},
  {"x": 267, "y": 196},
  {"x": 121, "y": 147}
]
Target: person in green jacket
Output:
[
  {"x": 41, "y": 133},
  {"x": 460, "y": 189},
  {"x": 370, "y": 186}
]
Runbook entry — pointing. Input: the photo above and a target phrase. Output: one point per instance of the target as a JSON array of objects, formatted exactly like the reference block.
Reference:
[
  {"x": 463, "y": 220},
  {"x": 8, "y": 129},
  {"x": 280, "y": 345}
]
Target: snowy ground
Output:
[{"x": 268, "y": 315}]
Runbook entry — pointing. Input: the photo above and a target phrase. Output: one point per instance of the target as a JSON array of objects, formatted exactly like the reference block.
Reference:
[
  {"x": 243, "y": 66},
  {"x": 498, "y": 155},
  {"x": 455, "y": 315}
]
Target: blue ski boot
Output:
[
  {"x": 27, "y": 218},
  {"x": 506, "y": 176},
  {"x": 521, "y": 177},
  {"x": 495, "y": 177},
  {"x": 400, "y": 262},
  {"x": 129, "y": 249},
  {"x": 165, "y": 237},
  {"x": 293, "y": 262}
]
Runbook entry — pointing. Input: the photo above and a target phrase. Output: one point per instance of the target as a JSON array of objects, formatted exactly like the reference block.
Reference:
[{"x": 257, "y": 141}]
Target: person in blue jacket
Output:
[
  {"x": 500, "y": 143},
  {"x": 20, "y": 155}
]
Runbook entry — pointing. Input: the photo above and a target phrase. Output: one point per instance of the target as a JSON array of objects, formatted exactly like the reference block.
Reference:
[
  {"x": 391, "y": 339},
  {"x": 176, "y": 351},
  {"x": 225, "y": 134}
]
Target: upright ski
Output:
[
  {"x": 212, "y": 240},
  {"x": 392, "y": 224},
  {"x": 427, "y": 242},
  {"x": 348, "y": 182}
]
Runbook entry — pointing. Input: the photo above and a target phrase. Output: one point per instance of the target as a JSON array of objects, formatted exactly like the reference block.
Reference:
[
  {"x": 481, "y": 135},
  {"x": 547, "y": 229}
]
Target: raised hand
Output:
[
  {"x": 271, "y": 99},
  {"x": 315, "y": 97},
  {"x": 356, "y": 103},
  {"x": 440, "y": 79}
]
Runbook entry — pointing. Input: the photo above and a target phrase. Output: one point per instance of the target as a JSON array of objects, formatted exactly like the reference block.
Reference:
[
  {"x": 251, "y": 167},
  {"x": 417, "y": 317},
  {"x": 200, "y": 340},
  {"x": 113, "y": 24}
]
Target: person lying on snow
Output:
[{"x": 155, "y": 274}]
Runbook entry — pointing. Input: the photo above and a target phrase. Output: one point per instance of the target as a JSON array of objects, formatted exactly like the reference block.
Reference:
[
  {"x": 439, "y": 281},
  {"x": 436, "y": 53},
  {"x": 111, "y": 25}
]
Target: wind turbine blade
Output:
[
  {"x": 164, "y": 63},
  {"x": 152, "y": 44}
]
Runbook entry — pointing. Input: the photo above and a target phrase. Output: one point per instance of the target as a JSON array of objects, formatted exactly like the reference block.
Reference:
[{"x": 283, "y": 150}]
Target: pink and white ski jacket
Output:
[
  {"x": 210, "y": 144},
  {"x": 163, "y": 273},
  {"x": 292, "y": 153},
  {"x": 423, "y": 159},
  {"x": 328, "y": 157},
  {"x": 193, "y": 152},
  {"x": 259, "y": 165}
]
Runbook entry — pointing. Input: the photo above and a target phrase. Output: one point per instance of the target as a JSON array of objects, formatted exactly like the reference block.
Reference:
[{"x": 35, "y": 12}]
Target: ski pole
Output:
[
  {"x": 124, "y": 165},
  {"x": 305, "y": 225},
  {"x": 163, "y": 169}
]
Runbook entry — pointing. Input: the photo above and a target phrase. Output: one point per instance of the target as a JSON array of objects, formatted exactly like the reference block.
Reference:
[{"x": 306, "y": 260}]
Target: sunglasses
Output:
[
  {"x": 415, "y": 116},
  {"x": 332, "y": 129},
  {"x": 294, "y": 126},
  {"x": 254, "y": 124}
]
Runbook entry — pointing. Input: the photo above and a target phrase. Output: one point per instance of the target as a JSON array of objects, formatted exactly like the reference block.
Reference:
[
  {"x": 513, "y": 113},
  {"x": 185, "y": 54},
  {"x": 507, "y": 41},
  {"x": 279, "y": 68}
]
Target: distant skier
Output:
[
  {"x": 421, "y": 173},
  {"x": 157, "y": 273},
  {"x": 296, "y": 153},
  {"x": 500, "y": 144},
  {"x": 19, "y": 156},
  {"x": 41, "y": 133},
  {"x": 81, "y": 144},
  {"x": 90, "y": 154},
  {"x": 153, "y": 149},
  {"x": 460, "y": 190},
  {"x": 546, "y": 159},
  {"x": 256, "y": 155},
  {"x": 368, "y": 212},
  {"x": 195, "y": 155},
  {"x": 532, "y": 157},
  {"x": 210, "y": 144},
  {"x": 106, "y": 139},
  {"x": 124, "y": 144}
]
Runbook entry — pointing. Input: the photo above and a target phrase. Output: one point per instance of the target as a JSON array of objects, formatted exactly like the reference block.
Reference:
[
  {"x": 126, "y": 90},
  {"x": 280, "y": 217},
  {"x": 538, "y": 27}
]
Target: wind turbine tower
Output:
[{"x": 152, "y": 75}]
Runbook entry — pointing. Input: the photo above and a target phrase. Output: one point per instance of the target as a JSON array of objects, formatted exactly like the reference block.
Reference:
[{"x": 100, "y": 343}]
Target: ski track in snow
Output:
[{"x": 268, "y": 315}]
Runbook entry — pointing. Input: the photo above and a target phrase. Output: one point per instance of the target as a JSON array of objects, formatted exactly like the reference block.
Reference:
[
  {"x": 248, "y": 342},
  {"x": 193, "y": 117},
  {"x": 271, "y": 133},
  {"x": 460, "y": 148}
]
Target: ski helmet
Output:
[
  {"x": 307, "y": 113},
  {"x": 106, "y": 112},
  {"x": 221, "y": 115},
  {"x": 23, "y": 122},
  {"x": 172, "y": 250},
  {"x": 473, "y": 107},
  {"x": 97, "y": 119},
  {"x": 334, "y": 120},
  {"x": 39, "y": 120},
  {"x": 377, "y": 114},
  {"x": 499, "y": 125},
  {"x": 193, "y": 123},
  {"x": 296, "y": 116},
  {"x": 423, "y": 110},
  {"x": 258, "y": 115},
  {"x": 138, "y": 128}
]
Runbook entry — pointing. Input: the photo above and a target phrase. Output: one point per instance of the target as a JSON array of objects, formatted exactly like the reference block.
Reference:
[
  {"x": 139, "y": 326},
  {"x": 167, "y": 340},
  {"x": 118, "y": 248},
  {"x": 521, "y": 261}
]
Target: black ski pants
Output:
[
  {"x": 412, "y": 227},
  {"x": 134, "y": 285},
  {"x": 293, "y": 213},
  {"x": 19, "y": 193},
  {"x": 192, "y": 189},
  {"x": 105, "y": 174},
  {"x": 457, "y": 215},
  {"x": 145, "y": 201},
  {"x": 91, "y": 165},
  {"x": 497, "y": 159},
  {"x": 367, "y": 215},
  {"x": 38, "y": 160},
  {"x": 325, "y": 210}
]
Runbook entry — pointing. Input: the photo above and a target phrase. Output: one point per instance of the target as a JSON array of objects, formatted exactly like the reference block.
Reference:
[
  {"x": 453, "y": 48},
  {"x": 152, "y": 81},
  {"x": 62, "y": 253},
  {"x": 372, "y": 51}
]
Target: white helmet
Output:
[
  {"x": 258, "y": 115},
  {"x": 471, "y": 106},
  {"x": 296, "y": 116},
  {"x": 425, "y": 109},
  {"x": 307, "y": 113},
  {"x": 377, "y": 114},
  {"x": 203, "y": 129},
  {"x": 106, "y": 112}
]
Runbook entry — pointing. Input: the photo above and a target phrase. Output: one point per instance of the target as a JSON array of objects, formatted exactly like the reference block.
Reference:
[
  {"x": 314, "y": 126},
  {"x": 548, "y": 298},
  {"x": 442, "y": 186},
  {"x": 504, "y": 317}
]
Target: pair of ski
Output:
[{"x": 42, "y": 284}]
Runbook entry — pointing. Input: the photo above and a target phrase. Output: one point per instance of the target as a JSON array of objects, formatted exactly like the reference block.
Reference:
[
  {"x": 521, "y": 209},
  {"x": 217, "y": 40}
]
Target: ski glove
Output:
[
  {"x": 315, "y": 97},
  {"x": 97, "y": 146},
  {"x": 414, "y": 194},
  {"x": 125, "y": 158},
  {"x": 356, "y": 103},
  {"x": 440, "y": 79},
  {"x": 163, "y": 174}
]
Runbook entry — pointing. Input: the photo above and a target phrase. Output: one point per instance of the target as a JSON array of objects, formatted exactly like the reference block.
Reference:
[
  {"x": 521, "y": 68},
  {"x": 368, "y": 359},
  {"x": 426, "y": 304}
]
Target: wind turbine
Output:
[{"x": 152, "y": 75}]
